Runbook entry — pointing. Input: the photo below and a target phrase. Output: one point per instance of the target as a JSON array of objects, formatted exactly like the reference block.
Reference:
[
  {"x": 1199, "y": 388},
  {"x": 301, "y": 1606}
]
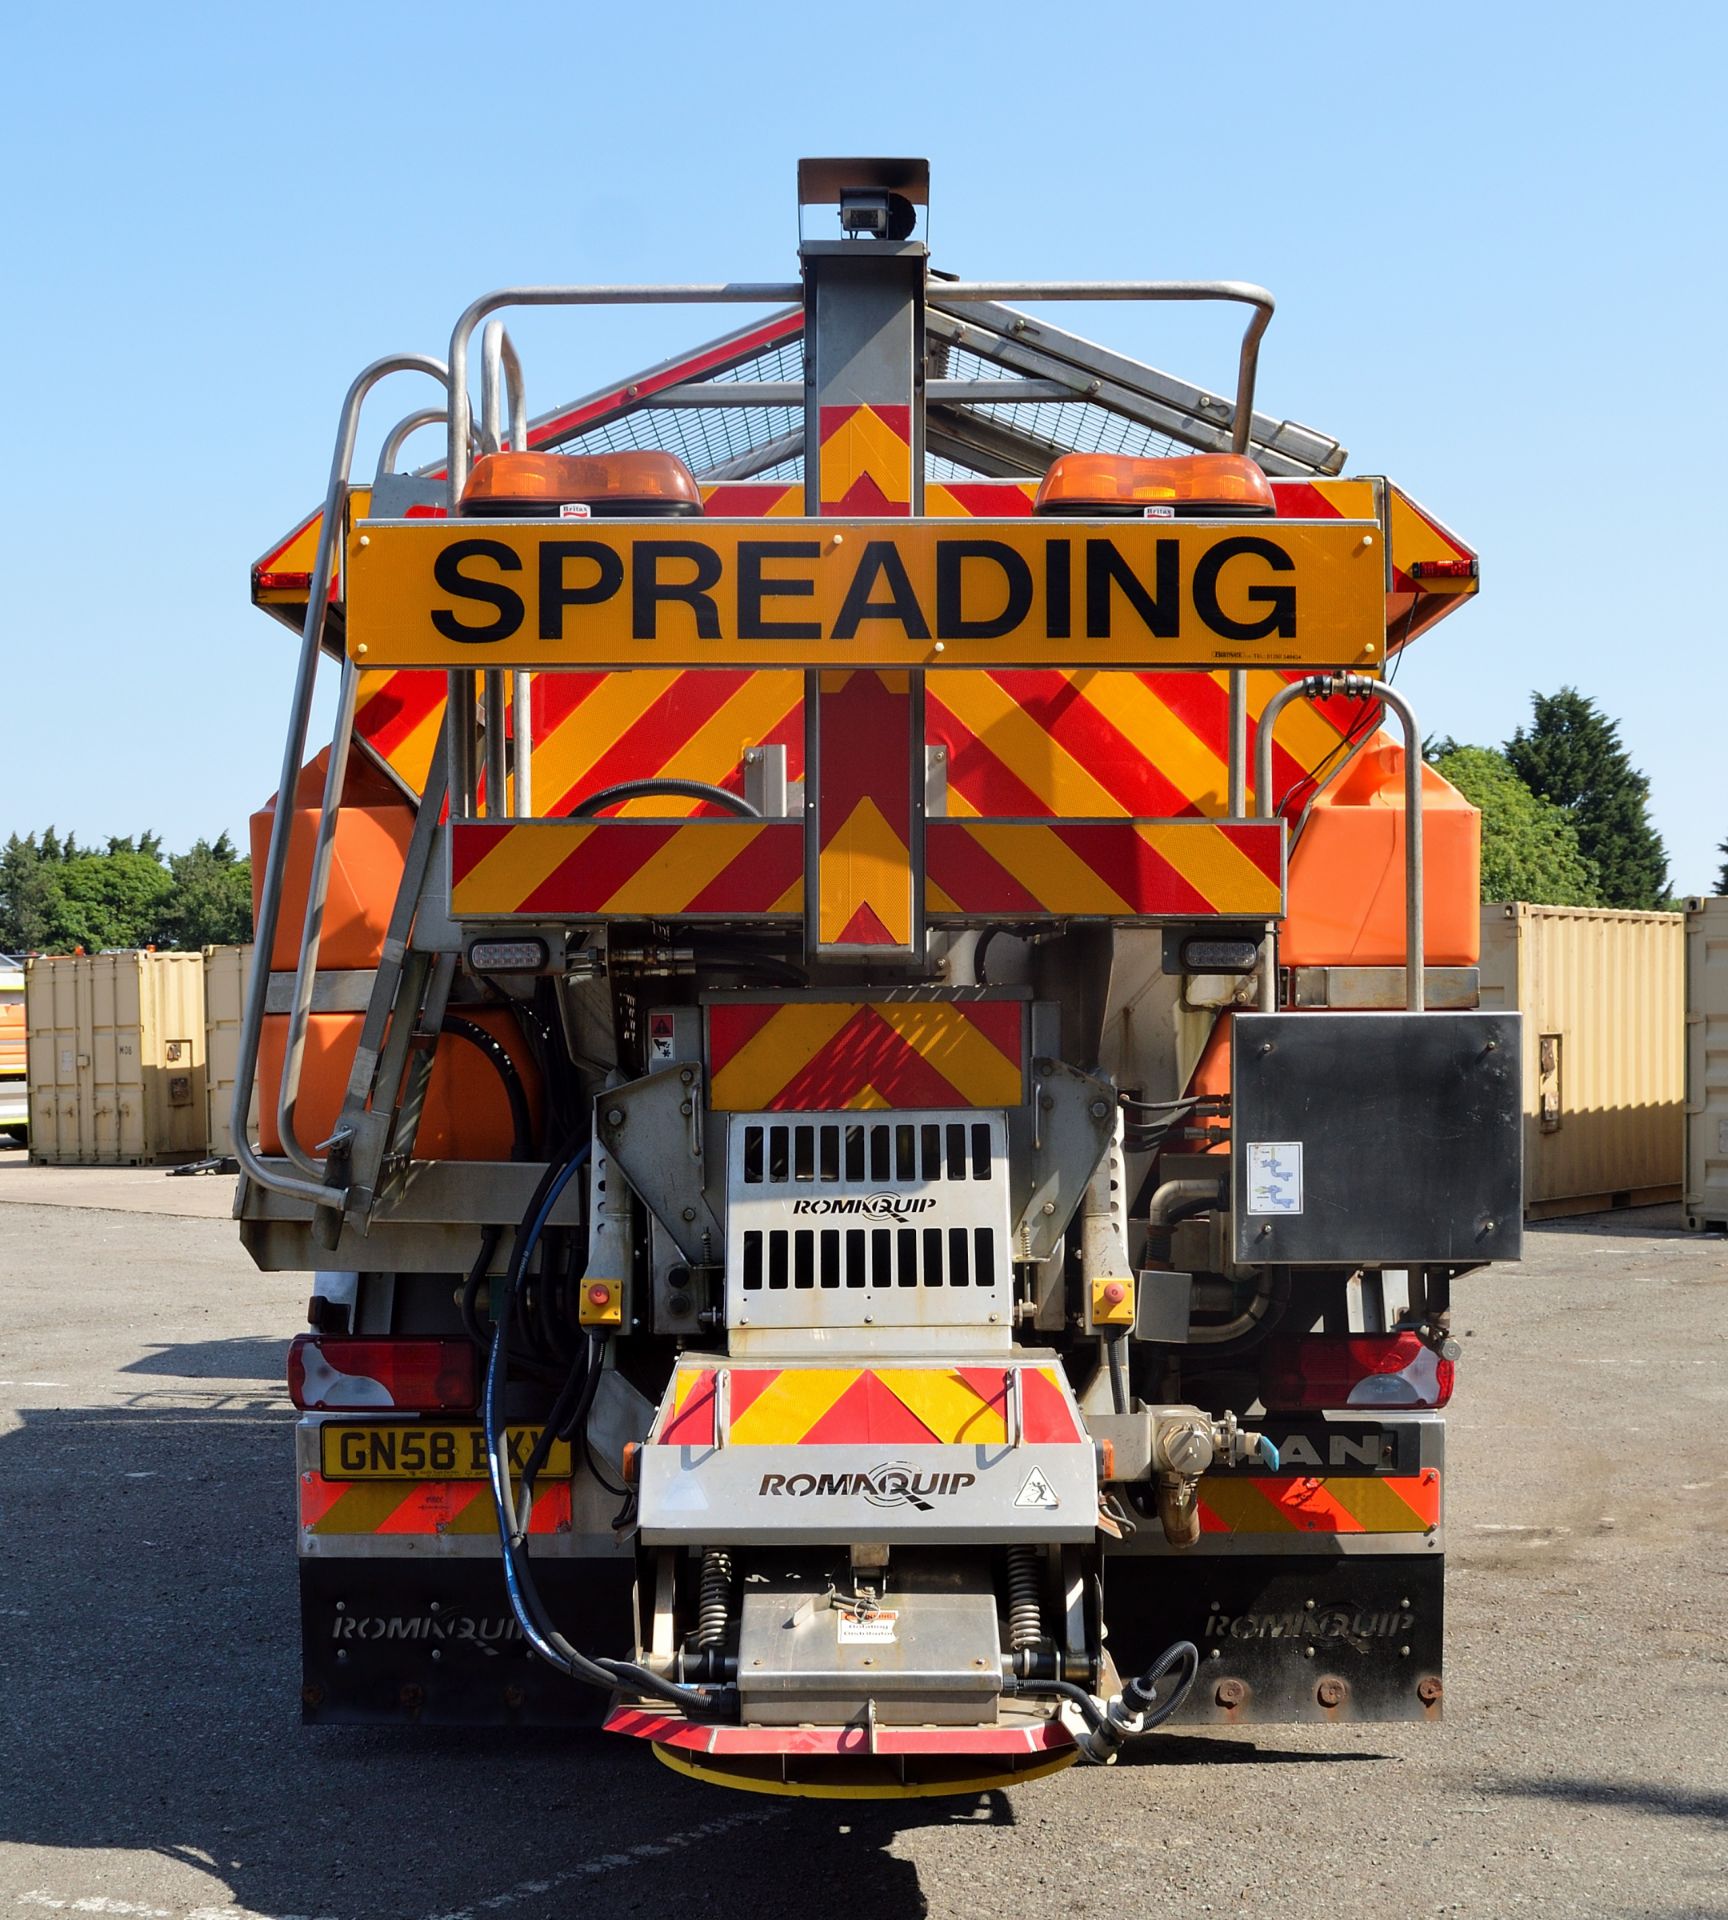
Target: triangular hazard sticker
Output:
[{"x": 1037, "y": 1492}]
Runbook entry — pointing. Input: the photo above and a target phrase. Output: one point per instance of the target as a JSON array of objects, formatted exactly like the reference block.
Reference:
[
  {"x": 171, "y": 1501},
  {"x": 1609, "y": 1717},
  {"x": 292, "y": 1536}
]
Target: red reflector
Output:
[
  {"x": 1443, "y": 569},
  {"x": 1317, "y": 1371},
  {"x": 268, "y": 582},
  {"x": 333, "y": 1373}
]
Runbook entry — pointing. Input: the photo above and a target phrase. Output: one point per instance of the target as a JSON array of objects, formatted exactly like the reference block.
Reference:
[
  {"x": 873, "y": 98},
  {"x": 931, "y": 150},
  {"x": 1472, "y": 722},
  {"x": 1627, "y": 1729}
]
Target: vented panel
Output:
[{"x": 896, "y": 1220}]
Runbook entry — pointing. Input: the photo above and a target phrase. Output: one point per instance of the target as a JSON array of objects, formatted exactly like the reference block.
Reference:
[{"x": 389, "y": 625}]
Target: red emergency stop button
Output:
[
  {"x": 602, "y": 1304},
  {"x": 1113, "y": 1302}
]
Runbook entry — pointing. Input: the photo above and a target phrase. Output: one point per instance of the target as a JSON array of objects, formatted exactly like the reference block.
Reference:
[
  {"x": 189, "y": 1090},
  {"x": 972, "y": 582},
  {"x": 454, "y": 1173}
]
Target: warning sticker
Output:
[
  {"x": 1274, "y": 1176},
  {"x": 662, "y": 1036},
  {"x": 872, "y": 1629},
  {"x": 1037, "y": 1492}
]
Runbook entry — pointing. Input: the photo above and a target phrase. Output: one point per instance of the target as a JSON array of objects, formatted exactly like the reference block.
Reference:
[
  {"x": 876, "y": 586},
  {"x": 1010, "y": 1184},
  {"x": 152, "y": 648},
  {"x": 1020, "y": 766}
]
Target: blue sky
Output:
[{"x": 1495, "y": 234}]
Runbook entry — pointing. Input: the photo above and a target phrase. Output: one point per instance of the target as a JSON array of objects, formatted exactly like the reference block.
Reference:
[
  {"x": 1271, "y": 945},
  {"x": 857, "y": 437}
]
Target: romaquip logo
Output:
[
  {"x": 869, "y": 1206},
  {"x": 896, "y": 1483}
]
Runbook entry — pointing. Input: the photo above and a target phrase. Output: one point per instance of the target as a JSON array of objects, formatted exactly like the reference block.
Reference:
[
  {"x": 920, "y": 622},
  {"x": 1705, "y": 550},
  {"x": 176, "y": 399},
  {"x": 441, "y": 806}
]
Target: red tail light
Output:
[
  {"x": 329, "y": 1373},
  {"x": 1316, "y": 1371}
]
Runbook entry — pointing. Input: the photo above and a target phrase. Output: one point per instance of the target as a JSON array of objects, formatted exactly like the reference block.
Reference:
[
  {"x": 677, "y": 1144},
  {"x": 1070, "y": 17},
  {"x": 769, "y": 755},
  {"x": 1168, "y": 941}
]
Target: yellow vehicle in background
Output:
[{"x": 14, "y": 1084}]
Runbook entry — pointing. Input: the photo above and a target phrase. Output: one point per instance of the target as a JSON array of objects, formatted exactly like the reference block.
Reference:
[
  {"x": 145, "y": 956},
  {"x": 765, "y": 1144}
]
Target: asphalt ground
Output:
[{"x": 152, "y": 1762}]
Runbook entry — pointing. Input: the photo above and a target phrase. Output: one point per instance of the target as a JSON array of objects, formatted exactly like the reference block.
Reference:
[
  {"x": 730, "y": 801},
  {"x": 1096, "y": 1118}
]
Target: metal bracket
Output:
[
  {"x": 1056, "y": 1144},
  {"x": 653, "y": 1129}
]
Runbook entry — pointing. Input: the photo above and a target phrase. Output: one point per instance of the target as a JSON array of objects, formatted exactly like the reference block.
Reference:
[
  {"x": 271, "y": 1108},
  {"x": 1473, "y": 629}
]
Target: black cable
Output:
[
  {"x": 1090, "y": 1711},
  {"x": 590, "y": 804},
  {"x": 568, "y": 1397},
  {"x": 542, "y": 1637},
  {"x": 1140, "y": 1694},
  {"x": 746, "y": 960},
  {"x": 470, "y": 1301},
  {"x": 493, "y": 1048},
  {"x": 1118, "y": 1380}
]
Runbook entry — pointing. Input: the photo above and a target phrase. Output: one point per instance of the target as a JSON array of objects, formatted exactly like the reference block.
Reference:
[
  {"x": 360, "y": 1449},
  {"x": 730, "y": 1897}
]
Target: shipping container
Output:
[
  {"x": 227, "y": 970},
  {"x": 116, "y": 1053},
  {"x": 1707, "y": 1064},
  {"x": 1602, "y": 994}
]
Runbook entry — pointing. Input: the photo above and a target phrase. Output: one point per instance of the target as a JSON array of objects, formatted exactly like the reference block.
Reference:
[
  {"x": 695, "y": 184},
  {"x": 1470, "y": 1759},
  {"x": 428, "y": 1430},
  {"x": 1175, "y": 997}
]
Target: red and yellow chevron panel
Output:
[
  {"x": 696, "y": 869},
  {"x": 847, "y": 1055},
  {"x": 1065, "y": 743},
  {"x": 726, "y": 868},
  {"x": 1328, "y": 1503},
  {"x": 866, "y": 460},
  {"x": 866, "y": 1407},
  {"x": 870, "y": 736},
  {"x": 1121, "y": 869},
  {"x": 398, "y": 1507}
]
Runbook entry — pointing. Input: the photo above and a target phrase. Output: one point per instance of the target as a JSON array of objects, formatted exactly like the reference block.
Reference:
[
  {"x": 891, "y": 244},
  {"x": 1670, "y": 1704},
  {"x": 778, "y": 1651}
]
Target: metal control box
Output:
[{"x": 1380, "y": 1139}]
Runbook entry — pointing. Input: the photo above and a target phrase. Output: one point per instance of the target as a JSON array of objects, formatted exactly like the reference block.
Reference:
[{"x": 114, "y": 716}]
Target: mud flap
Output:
[
  {"x": 393, "y": 1640},
  {"x": 1319, "y": 1638}
]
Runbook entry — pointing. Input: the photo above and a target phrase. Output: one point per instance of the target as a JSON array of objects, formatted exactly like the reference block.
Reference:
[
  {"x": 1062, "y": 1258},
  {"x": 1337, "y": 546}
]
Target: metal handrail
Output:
[
  {"x": 500, "y": 362},
  {"x": 952, "y": 293},
  {"x": 459, "y": 694},
  {"x": 397, "y": 438},
  {"x": 721, "y": 293},
  {"x": 1359, "y": 686},
  {"x": 294, "y": 746}
]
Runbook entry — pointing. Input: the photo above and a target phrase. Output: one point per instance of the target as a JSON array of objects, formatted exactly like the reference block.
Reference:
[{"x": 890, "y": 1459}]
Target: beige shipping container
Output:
[
  {"x": 227, "y": 970},
  {"x": 1602, "y": 995},
  {"x": 116, "y": 1055},
  {"x": 1707, "y": 1064}
]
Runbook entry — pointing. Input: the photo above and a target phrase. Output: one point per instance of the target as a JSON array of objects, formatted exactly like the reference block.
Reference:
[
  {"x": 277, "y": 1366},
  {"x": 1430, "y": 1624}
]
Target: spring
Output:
[
  {"x": 1025, "y": 1619},
  {"x": 714, "y": 1607}
]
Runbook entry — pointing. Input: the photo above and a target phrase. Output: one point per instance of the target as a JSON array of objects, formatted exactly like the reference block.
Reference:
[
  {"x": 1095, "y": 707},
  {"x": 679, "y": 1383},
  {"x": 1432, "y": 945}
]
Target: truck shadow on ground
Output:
[
  {"x": 149, "y": 1645},
  {"x": 232, "y": 1359}
]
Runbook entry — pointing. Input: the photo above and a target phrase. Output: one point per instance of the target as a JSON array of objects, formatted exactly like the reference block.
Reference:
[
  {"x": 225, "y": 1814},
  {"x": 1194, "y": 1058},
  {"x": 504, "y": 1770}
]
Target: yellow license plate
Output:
[{"x": 423, "y": 1450}]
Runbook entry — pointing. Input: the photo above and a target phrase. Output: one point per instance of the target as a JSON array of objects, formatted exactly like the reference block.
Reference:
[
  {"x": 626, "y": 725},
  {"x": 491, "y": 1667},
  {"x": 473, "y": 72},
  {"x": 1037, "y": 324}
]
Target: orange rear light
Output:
[
  {"x": 609, "y": 485},
  {"x": 1192, "y": 485}
]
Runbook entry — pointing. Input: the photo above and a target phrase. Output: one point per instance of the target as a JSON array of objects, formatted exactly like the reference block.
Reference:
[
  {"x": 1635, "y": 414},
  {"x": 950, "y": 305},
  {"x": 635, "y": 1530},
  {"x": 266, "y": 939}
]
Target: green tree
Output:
[
  {"x": 211, "y": 902},
  {"x": 1571, "y": 755},
  {"x": 1722, "y": 877},
  {"x": 1530, "y": 849},
  {"x": 109, "y": 900},
  {"x": 29, "y": 895},
  {"x": 145, "y": 843}
]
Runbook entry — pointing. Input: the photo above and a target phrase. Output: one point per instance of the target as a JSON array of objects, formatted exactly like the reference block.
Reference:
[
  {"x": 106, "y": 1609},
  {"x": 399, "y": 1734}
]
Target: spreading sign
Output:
[{"x": 937, "y": 594}]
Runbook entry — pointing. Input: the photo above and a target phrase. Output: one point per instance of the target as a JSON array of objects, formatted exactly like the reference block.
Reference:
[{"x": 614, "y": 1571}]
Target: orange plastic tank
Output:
[
  {"x": 373, "y": 826},
  {"x": 1346, "y": 886},
  {"x": 466, "y": 1115}
]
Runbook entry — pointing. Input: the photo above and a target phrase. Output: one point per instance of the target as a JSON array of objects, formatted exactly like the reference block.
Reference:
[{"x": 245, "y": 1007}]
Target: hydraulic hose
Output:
[
  {"x": 521, "y": 1127},
  {"x": 540, "y": 1634},
  {"x": 1136, "y": 1710},
  {"x": 590, "y": 804},
  {"x": 1140, "y": 1695}
]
